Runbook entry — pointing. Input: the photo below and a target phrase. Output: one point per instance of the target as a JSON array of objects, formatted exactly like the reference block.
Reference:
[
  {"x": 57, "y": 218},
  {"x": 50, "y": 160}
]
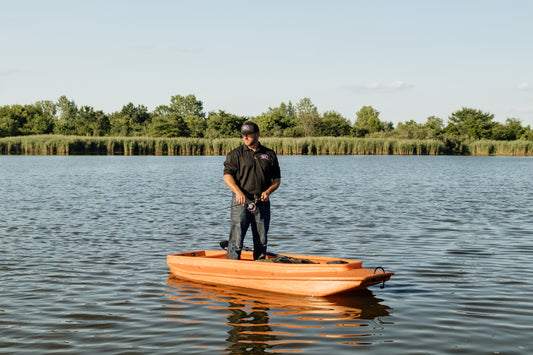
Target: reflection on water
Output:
[{"x": 257, "y": 321}]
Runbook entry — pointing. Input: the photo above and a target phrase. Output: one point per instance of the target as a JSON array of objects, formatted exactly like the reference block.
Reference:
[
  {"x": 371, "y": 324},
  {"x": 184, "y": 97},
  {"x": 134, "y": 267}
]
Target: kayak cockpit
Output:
[{"x": 273, "y": 258}]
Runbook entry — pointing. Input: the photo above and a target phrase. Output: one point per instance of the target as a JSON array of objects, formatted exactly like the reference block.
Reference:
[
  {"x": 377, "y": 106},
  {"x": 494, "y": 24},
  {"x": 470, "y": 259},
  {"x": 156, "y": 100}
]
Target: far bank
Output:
[{"x": 81, "y": 145}]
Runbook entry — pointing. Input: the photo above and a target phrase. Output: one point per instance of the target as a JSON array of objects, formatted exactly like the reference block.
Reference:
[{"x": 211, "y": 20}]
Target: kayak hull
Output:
[{"x": 317, "y": 279}]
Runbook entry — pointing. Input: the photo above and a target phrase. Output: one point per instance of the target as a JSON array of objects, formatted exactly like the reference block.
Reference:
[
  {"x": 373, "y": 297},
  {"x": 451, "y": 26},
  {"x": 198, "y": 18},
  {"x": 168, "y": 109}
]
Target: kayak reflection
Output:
[{"x": 258, "y": 321}]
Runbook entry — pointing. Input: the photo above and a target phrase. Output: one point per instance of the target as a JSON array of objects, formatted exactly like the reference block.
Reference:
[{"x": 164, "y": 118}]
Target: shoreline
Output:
[{"x": 82, "y": 145}]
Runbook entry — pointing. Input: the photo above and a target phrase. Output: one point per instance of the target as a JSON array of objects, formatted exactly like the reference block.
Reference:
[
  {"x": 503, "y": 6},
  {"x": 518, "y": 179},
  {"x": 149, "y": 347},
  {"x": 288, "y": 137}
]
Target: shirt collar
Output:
[{"x": 259, "y": 148}]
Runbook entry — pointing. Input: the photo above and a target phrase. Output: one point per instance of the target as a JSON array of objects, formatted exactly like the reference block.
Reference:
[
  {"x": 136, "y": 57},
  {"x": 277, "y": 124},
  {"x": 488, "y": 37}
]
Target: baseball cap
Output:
[{"x": 249, "y": 128}]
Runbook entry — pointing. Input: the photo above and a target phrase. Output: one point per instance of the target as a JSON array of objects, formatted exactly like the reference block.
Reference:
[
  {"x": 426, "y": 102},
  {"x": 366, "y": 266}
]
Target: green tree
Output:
[
  {"x": 40, "y": 118},
  {"x": 221, "y": 124},
  {"x": 528, "y": 134},
  {"x": 269, "y": 124},
  {"x": 168, "y": 125},
  {"x": 514, "y": 125},
  {"x": 47, "y": 107},
  {"x": 187, "y": 106},
  {"x": 24, "y": 119},
  {"x": 512, "y": 130},
  {"x": 9, "y": 126},
  {"x": 22, "y": 115},
  {"x": 102, "y": 125},
  {"x": 414, "y": 130},
  {"x": 307, "y": 117},
  {"x": 435, "y": 124},
  {"x": 368, "y": 122},
  {"x": 136, "y": 119},
  {"x": 12, "y": 118},
  {"x": 118, "y": 125},
  {"x": 192, "y": 111},
  {"x": 432, "y": 129},
  {"x": 91, "y": 123},
  {"x": 170, "y": 118},
  {"x": 471, "y": 123},
  {"x": 67, "y": 110},
  {"x": 131, "y": 120},
  {"x": 334, "y": 124},
  {"x": 277, "y": 121},
  {"x": 162, "y": 110},
  {"x": 196, "y": 126},
  {"x": 288, "y": 111},
  {"x": 410, "y": 130}
]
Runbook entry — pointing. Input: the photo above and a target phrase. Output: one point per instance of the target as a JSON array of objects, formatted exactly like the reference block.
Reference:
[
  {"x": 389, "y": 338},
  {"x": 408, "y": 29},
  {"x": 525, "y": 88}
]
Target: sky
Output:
[{"x": 407, "y": 59}]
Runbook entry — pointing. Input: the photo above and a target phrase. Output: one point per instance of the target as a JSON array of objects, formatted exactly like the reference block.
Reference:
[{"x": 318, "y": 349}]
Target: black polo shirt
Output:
[{"x": 253, "y": 171}]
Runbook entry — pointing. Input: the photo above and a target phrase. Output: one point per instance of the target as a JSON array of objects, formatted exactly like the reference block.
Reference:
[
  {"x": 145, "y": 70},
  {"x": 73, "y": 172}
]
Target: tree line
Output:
[{"x": 184, "y": 116}]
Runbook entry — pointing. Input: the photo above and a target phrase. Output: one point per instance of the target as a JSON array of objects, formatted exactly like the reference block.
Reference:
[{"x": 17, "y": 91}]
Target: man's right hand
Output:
[
  {"x": 232, "y": 185},
  {"x": 240, "y": 198}
]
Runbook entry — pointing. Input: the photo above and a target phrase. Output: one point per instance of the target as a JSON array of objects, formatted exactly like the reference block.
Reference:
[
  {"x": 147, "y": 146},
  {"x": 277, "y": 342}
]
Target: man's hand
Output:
[
  {"x": 271, "y": 189},
  {"x": 240, "y": 198},
  {"x": 232, "y": 185}
]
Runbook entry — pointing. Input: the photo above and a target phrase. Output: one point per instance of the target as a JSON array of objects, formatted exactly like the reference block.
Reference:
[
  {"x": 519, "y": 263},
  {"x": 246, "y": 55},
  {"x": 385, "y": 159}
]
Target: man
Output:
[{"x": 252, "y": 173}]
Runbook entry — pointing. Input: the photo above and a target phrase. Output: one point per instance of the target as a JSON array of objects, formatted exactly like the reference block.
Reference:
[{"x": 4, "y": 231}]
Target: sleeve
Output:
[
  {"x": 230, "y": 165},
  {"x": 276, "y": 171}
]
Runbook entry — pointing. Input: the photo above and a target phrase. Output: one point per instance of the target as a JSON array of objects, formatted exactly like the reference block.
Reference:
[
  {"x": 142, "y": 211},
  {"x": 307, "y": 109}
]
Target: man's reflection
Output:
[{"x": 249, "y": 332}]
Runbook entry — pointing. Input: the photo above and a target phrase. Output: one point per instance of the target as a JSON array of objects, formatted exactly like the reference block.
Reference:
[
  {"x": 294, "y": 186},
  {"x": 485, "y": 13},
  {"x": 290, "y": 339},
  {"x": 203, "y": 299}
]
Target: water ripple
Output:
[{"x": 85, "y": 239}]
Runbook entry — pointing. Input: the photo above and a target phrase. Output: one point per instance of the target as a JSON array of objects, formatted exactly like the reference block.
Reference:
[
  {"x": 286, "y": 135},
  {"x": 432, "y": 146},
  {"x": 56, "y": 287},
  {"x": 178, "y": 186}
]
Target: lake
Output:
[{"x": 85, "y": 239}]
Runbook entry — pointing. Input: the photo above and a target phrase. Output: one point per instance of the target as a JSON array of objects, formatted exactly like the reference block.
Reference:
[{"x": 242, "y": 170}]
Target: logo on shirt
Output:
[{"x": 264, "y": 156}]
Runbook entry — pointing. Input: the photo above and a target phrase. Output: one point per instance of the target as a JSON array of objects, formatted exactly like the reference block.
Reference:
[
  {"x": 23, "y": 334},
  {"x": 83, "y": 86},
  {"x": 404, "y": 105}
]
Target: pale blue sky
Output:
[{"x": 407, "y": 59}]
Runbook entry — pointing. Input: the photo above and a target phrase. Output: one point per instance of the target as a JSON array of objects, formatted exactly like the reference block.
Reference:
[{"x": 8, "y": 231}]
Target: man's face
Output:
[{"x": 251, "y": 139}]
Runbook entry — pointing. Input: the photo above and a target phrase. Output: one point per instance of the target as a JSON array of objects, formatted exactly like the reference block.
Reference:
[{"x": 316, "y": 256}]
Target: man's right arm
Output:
[{"x": 232, "y": 185}]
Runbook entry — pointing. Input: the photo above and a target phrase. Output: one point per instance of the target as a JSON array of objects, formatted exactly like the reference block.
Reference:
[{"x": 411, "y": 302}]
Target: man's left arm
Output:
[{"x": 273, "y": 187}]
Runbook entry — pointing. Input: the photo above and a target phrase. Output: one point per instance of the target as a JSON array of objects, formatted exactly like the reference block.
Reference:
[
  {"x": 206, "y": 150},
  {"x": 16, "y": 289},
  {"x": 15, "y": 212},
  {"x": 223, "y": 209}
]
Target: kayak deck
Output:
[{"x": 322, "y": 277}]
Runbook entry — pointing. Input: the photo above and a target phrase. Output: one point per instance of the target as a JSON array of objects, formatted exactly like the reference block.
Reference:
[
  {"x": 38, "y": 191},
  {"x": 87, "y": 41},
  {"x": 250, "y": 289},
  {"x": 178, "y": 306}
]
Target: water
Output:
[{"x": 85, "y": 239}]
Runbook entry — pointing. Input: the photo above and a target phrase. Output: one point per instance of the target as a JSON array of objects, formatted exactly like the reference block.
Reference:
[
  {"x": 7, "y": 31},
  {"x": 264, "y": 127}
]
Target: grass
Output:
[
  {"x": 501, "y": 148},
  {"x": 77, "y": 145}
]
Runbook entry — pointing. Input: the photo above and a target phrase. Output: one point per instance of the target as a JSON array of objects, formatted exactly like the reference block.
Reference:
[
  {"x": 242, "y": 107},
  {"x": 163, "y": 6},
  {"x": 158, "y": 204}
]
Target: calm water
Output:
[{"x": 84, "y": 243}]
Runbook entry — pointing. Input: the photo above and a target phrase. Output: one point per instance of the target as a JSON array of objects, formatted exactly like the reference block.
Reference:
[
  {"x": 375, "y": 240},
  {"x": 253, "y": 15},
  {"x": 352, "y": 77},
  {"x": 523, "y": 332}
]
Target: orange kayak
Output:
[{"x": 317, "y": 276}]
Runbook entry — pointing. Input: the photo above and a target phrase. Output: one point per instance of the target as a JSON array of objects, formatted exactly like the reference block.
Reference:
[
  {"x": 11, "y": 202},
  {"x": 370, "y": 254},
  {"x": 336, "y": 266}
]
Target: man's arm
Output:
[
  {"x": 271, "y": 189},
  {"x": 232, "y": 185}
]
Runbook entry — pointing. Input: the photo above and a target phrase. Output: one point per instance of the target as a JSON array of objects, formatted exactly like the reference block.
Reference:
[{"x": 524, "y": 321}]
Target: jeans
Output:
[{"x": 241, "y": 219}]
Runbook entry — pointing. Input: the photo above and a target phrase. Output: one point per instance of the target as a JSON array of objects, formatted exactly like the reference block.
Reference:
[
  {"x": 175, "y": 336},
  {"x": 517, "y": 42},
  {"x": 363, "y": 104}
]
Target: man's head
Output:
[{"x": 250, "y": 135}]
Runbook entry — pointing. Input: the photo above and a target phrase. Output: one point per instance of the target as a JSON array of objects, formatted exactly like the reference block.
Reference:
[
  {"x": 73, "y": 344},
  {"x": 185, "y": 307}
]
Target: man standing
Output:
[{"x": 252, "y": 173}]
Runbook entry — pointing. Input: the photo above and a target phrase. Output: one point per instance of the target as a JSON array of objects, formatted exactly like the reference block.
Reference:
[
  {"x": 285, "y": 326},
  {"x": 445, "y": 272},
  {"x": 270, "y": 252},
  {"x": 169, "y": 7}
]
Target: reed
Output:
[
  {"x": 353, "y": 146},
  {"x": 76, "y": 145},
  {"x": 501, "y": 148}
]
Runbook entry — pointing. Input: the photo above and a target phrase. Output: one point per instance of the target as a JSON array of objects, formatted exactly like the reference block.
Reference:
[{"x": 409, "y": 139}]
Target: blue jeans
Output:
[{"x": 241, "y": 219}]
